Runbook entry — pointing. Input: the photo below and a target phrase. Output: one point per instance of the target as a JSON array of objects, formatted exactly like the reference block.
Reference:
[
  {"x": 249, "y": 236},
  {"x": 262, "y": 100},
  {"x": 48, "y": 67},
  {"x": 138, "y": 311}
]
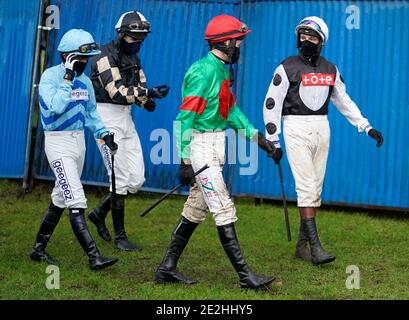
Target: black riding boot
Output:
[
  {"x": 79, "y": 226},
  {"x": 248, "y": 279},
  {"x": 302, "y": 251},
  {"x": 50, "y": 220},
  {"x": 118, "y": 217},
  {"x": 98, "y": 214},
  {"x": 166, "y": 272},
  {"x": 318, "y": 255}
]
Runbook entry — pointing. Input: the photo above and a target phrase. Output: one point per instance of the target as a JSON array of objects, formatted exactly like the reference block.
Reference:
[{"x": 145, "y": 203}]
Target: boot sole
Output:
[
  {"x": 262, "y": 286},
  {"x": 136, "y": 249},
  {"x": 166, "y": 280},
  {"x": 323, "y": 262},
  {"x": 128, "y": 250},
  {"x": 105, "y": 265},
  {"x": 41, "y": 259},
  {"x": 36, "y": 258}
]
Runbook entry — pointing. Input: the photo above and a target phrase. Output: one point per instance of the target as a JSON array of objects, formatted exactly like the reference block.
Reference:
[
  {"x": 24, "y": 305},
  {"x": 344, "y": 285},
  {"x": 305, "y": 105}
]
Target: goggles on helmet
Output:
[
  {"x": 142, "y": 26},
  {"x": 87, "y": 48},
  {"x": 310, "y": 24}
]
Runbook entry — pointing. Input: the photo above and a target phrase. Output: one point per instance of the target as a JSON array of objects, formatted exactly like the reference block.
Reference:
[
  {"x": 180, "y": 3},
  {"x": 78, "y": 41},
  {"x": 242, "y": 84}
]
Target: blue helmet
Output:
[{"x": 79, "y": 42}]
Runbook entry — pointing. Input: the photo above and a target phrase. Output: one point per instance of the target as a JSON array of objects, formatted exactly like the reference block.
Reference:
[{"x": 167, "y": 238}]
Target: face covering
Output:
[
  {"x": 231, "y": 51},
  {"x": 79, "y": 67},
  {"x": 130, "y": 48},
  {"x": 234, "y": 54},
  {"x": 308, "y": 48}
]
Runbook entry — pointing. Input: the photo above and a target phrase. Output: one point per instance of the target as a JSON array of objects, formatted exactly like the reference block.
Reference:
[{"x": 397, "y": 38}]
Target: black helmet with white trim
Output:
[{"x": 133, "y": 24}]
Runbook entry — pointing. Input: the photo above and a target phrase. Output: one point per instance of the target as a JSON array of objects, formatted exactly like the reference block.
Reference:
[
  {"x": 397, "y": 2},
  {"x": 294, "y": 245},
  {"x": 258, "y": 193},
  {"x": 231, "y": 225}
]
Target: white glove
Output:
[
  {"x": 70, "y": 61},
  {"x": 69, "y": 66}
]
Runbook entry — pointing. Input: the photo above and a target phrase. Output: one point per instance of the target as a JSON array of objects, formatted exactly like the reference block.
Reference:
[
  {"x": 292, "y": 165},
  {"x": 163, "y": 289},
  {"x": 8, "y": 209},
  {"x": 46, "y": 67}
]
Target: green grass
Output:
[{"x": 378, "y": 245}]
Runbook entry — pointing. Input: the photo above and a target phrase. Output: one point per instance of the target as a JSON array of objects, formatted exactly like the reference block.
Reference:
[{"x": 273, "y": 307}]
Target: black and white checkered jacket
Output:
[{"x": 118, "y": 78}]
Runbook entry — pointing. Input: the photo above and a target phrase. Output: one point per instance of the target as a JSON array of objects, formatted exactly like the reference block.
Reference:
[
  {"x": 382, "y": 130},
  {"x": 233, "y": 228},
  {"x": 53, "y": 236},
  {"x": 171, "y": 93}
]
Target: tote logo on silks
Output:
[
  {"x": 318, "y": 79},
  {"x": 79, "y": 95},
  {"x": 61, "y": 176}
]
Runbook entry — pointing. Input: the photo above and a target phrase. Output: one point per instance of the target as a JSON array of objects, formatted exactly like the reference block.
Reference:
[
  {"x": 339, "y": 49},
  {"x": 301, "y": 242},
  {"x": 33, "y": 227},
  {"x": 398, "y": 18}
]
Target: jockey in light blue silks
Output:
[{"x": 67, "y": 104}]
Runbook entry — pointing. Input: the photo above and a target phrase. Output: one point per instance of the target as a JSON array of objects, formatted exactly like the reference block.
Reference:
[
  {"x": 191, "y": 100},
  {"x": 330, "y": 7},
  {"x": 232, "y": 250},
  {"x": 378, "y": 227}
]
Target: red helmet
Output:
[{"x": 225, "y": 27}]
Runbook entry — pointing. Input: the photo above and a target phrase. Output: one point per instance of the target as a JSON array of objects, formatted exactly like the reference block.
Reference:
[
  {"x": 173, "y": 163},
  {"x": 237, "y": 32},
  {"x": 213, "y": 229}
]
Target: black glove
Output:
[
  {"x": 109, "y": 141},
  {"x": 150, "y": 105},
  {"x": 186, "y": 174},
  {"x": 275, "y": 153},
  {"x": 159, "y": 92},
  {"x": 377, "y": 136}
]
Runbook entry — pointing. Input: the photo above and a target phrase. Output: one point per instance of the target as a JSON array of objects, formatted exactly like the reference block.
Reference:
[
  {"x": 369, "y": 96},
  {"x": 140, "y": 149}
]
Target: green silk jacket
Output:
[{"x": 208, "y": 103}]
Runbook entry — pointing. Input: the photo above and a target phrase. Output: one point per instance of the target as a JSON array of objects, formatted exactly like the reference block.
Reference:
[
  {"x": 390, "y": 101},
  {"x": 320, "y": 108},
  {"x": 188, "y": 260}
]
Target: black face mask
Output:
[
  {"x": 130, "y": 48},
  {"x": 308, "y": 48},
  {"x": 234, "y": 54},
  {"x": 79, "y": 67}
]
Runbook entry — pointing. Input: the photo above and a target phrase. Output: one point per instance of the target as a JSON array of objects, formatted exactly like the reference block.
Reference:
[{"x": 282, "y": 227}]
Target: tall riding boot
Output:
[
  {"x": 98, "y": 214},
  {"x": 318, "y": 255},
  {"x": 166, "y": 272},
  {"x": 118, "y": 217},
  {"x": 50, "y": 220},
  {"x": 248, "y": 279},
  {"x": 79, "y": 226},
  {"x": 302, "y": 251}
]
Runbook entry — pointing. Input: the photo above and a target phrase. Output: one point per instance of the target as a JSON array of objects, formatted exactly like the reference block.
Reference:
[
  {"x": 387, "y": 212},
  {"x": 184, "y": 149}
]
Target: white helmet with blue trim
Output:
[
  {"x": 315, "y": 25},
  {"x": 79, "y": 42}
]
